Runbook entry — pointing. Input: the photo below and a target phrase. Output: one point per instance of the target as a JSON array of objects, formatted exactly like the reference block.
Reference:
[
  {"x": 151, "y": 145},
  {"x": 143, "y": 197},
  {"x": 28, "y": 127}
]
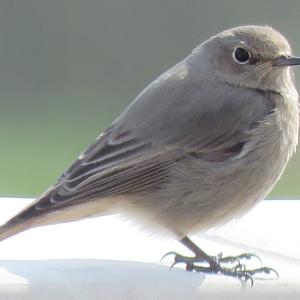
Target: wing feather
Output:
[{"x": 172, "y": 119}]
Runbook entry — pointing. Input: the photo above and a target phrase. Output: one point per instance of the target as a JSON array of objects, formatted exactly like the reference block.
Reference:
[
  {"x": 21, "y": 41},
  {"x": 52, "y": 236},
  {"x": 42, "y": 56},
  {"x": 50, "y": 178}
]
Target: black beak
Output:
[{"x": 285, "y": 61}]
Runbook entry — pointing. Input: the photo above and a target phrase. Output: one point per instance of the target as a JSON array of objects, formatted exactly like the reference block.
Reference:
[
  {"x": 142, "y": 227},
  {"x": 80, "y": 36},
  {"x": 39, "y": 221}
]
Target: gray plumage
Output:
[{"x": 199, "y": 146}]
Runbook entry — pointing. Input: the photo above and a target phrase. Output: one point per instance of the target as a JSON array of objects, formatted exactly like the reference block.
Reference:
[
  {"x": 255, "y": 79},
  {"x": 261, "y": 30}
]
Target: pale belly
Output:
[{"x": 202, "y": 194}]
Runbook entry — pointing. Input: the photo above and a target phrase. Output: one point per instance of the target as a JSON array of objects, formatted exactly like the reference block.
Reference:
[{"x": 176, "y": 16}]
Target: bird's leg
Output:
[
  {"x": 199, "y": 254},
  {"x": 238, "y": 270}
]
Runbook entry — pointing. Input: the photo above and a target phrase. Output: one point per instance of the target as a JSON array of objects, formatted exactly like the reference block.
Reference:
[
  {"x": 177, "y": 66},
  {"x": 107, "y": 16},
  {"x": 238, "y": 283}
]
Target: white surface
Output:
[{"x": 94, "y": 258}]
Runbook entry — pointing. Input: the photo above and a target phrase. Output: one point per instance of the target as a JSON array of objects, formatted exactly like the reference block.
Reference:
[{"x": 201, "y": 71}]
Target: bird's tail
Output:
[{"x": 12, "y": 227}]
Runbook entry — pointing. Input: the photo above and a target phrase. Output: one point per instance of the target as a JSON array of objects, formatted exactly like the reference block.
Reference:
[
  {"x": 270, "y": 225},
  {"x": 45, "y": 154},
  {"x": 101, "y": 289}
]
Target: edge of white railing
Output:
[{"x": 109, "y": 258}]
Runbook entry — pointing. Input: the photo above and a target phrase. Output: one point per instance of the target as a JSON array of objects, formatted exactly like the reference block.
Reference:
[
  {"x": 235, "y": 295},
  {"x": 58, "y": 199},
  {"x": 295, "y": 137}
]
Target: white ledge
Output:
[{"x": 108, "y": 258}]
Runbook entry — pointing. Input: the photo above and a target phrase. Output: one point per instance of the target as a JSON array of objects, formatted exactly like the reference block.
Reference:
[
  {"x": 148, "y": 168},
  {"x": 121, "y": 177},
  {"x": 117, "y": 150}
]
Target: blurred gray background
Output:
[{"x": 68, "y": 68}]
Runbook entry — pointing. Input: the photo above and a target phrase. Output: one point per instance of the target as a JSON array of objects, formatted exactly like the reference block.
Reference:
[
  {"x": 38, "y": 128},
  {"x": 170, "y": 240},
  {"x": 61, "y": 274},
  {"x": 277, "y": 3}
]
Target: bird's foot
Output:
[
  {"x": 219, "y": 259},
  {"x": 216, "y": 265}
]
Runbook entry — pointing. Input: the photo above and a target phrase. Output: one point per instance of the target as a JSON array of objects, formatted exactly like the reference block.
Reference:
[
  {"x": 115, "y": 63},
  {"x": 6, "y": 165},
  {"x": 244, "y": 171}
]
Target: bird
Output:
[{"x": 199, "y": 146}]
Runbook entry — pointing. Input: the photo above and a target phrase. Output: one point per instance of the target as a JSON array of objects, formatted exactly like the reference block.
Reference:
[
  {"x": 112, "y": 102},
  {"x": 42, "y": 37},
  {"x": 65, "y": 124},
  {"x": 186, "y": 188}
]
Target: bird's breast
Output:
[{"x": 203, "y": 194}]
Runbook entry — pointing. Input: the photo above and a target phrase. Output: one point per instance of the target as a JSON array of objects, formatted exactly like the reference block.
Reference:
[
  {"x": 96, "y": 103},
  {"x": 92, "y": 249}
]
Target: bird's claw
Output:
[
  {"x": 238, "y": 258},
  {"x": 262, "y": 270},
  {"x": 168, "y": 254},
  {"x": 239, "y": 270},
  {"x": 249, "y": 275},
  {"x": 178, "y": 258}
]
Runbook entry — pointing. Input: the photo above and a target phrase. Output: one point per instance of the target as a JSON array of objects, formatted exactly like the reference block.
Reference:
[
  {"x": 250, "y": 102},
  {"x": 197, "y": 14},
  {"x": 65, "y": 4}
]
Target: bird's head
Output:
[{"x": 249, "y": 56}]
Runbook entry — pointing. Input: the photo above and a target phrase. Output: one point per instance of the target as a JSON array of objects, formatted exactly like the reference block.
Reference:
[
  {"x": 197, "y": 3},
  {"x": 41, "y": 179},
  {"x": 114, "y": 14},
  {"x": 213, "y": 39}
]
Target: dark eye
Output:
[{"x": 240, "y": 55}]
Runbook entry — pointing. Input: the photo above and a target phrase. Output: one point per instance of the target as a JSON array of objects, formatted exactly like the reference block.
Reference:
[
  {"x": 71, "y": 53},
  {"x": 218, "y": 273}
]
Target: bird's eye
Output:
[{"x": 240, "y": 55}]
